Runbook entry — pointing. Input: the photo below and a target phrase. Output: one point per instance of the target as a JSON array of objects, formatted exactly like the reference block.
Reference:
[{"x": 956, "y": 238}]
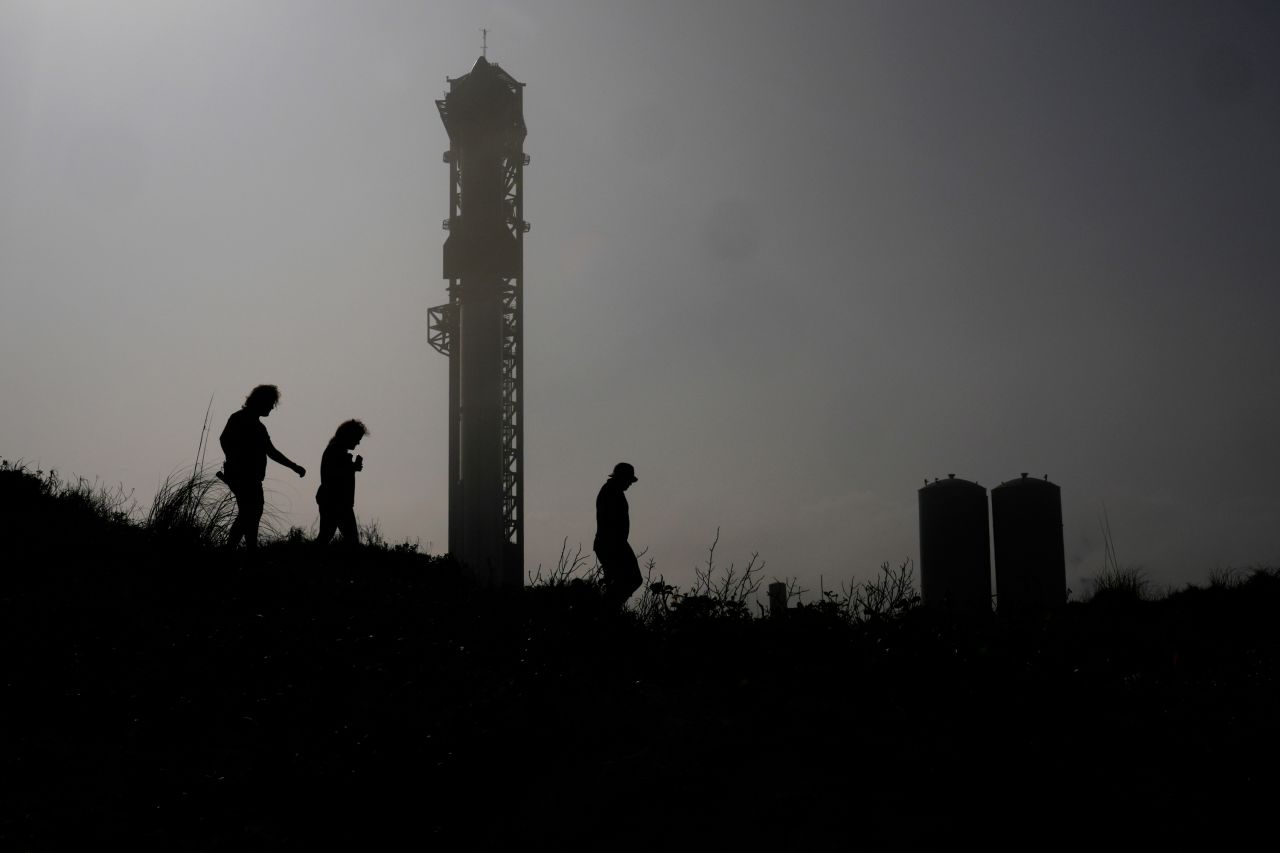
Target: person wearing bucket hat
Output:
[{"x": 613, "y": 526}]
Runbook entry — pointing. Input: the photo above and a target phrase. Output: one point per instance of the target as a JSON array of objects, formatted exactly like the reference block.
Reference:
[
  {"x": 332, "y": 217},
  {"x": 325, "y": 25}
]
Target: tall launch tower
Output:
[{"x": 481, "y": 327}]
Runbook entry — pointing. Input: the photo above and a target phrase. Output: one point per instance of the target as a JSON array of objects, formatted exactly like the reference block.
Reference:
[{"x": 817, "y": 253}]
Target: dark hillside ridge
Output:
[{"x": 163, "y": 695}]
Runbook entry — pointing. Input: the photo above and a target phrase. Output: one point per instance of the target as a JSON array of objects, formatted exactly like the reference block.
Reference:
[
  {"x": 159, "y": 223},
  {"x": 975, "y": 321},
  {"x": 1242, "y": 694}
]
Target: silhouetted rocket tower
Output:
[{"x": 480, "y": 329}]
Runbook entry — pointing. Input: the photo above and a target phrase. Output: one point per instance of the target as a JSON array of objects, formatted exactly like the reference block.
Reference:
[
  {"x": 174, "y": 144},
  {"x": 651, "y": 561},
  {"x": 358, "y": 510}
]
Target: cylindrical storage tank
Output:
[
  {"x": 955, "y": 546},
  {"x": 1031, "y": 567}
]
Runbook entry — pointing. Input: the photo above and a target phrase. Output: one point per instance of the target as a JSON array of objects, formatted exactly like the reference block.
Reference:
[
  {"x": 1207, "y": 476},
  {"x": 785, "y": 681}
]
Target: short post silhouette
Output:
[
  {"x": 246, "y": 447},
  {"x": 777, "y": 599},
  {"x": 337, "y": 493},
  {"x": 613, "y": 526}
]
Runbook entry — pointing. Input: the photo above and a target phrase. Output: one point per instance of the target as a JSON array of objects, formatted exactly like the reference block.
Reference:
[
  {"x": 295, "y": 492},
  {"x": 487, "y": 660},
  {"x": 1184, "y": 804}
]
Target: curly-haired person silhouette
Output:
[
  {"x": 246, "y": 447},
  {"x": 337, "y": 493}
]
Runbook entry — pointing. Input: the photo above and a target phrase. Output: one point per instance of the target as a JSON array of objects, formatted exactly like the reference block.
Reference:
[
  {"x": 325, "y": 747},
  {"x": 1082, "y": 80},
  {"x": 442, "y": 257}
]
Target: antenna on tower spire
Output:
[{"x": 484, "y": 43}]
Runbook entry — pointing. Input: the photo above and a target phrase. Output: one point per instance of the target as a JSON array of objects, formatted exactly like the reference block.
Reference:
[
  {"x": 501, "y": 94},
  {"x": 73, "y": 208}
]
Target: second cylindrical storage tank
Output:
[
  {"x": 955, "y": 549},
  {"x": 1031, "y": 569}
]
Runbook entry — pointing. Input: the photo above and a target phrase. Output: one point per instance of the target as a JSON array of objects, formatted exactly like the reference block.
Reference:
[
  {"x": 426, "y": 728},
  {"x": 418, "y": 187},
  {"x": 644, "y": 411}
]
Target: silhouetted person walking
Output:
[
  {"x": 337, "y": 493},
  {"x": 246, "y": 446},
  {"x": 613, "y": 526}
]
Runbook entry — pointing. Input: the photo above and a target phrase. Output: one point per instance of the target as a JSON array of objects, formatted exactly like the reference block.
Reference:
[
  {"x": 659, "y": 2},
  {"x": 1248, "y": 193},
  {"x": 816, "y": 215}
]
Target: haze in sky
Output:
[{"x": 788, "y": 259}]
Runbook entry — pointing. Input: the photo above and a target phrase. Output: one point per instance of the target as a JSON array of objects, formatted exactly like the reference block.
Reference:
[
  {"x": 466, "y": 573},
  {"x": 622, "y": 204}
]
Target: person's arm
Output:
[{"x": 272, "y": 453}]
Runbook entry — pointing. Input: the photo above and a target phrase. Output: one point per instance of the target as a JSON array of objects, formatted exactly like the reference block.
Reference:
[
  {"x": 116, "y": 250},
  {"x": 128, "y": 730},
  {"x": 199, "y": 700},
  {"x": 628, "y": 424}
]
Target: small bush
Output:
[
  {"x": 371, "y": 536},
  {"x": 890, "y": 593},
  {"x": 197, "y": 508},
  {"x": 1227, "y": 578},
  {"x": 569, "y": 567},
  {"x": 716, "y": 593},
  {"x": 1117, "y": 584}
]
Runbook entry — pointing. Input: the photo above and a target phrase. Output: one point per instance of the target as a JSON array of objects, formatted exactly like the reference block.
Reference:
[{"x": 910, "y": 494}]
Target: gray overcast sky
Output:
[{"x": 789, "y": 259}]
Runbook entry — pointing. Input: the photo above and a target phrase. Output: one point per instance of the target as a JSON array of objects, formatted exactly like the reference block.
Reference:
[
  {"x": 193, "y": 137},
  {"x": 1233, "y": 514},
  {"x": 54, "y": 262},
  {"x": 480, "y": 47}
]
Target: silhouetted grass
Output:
[
  {"x": 162, "y": 694},
  {"x": 1230, "y": 577},
  {"x": 196, "y": 508},
  {"x": 80, "y": 497},
  {"x": 1127, "y": 584}
]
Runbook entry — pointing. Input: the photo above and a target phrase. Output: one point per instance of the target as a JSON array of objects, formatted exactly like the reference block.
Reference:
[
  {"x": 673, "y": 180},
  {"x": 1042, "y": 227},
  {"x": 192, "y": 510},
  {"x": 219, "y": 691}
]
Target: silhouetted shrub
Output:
[
  {"x": 1120, "y": 585},
  {"x": 158, "y": 688},
  {"x": 1226, "y": 578},
  {"x": 703, "y": 607},
  {"x": 891, "y": 593},
  {"x": 569, "y": 567},
  {"x": 22, "y": 487},
  {"x": 197, "y": 508}
]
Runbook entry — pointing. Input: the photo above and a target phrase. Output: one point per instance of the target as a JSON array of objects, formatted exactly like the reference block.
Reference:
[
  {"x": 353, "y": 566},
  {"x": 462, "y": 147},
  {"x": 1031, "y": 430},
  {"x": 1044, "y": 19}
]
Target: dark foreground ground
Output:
[{"x": 158, "y": 697}]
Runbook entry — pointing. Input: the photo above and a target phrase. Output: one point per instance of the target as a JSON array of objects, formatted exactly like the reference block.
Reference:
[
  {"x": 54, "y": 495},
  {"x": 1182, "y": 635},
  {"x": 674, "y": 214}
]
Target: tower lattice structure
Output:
[{"x": 481, "y": 327}]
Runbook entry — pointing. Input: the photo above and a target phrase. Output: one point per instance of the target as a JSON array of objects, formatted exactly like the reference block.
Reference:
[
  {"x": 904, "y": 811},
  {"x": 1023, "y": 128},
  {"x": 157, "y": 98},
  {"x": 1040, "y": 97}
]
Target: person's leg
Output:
[
  {"x": 630, "y": 578},
  {"x": 328, "y": 524},
  {"x": 244, "y": 504},
  {"x": 347, "y": 525},
  {"x": 604, "y": 558},
  {"x": 236, "y": 533},
  {"x": 621, "y": 573},
  {"x": 251, "y": 511}
]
